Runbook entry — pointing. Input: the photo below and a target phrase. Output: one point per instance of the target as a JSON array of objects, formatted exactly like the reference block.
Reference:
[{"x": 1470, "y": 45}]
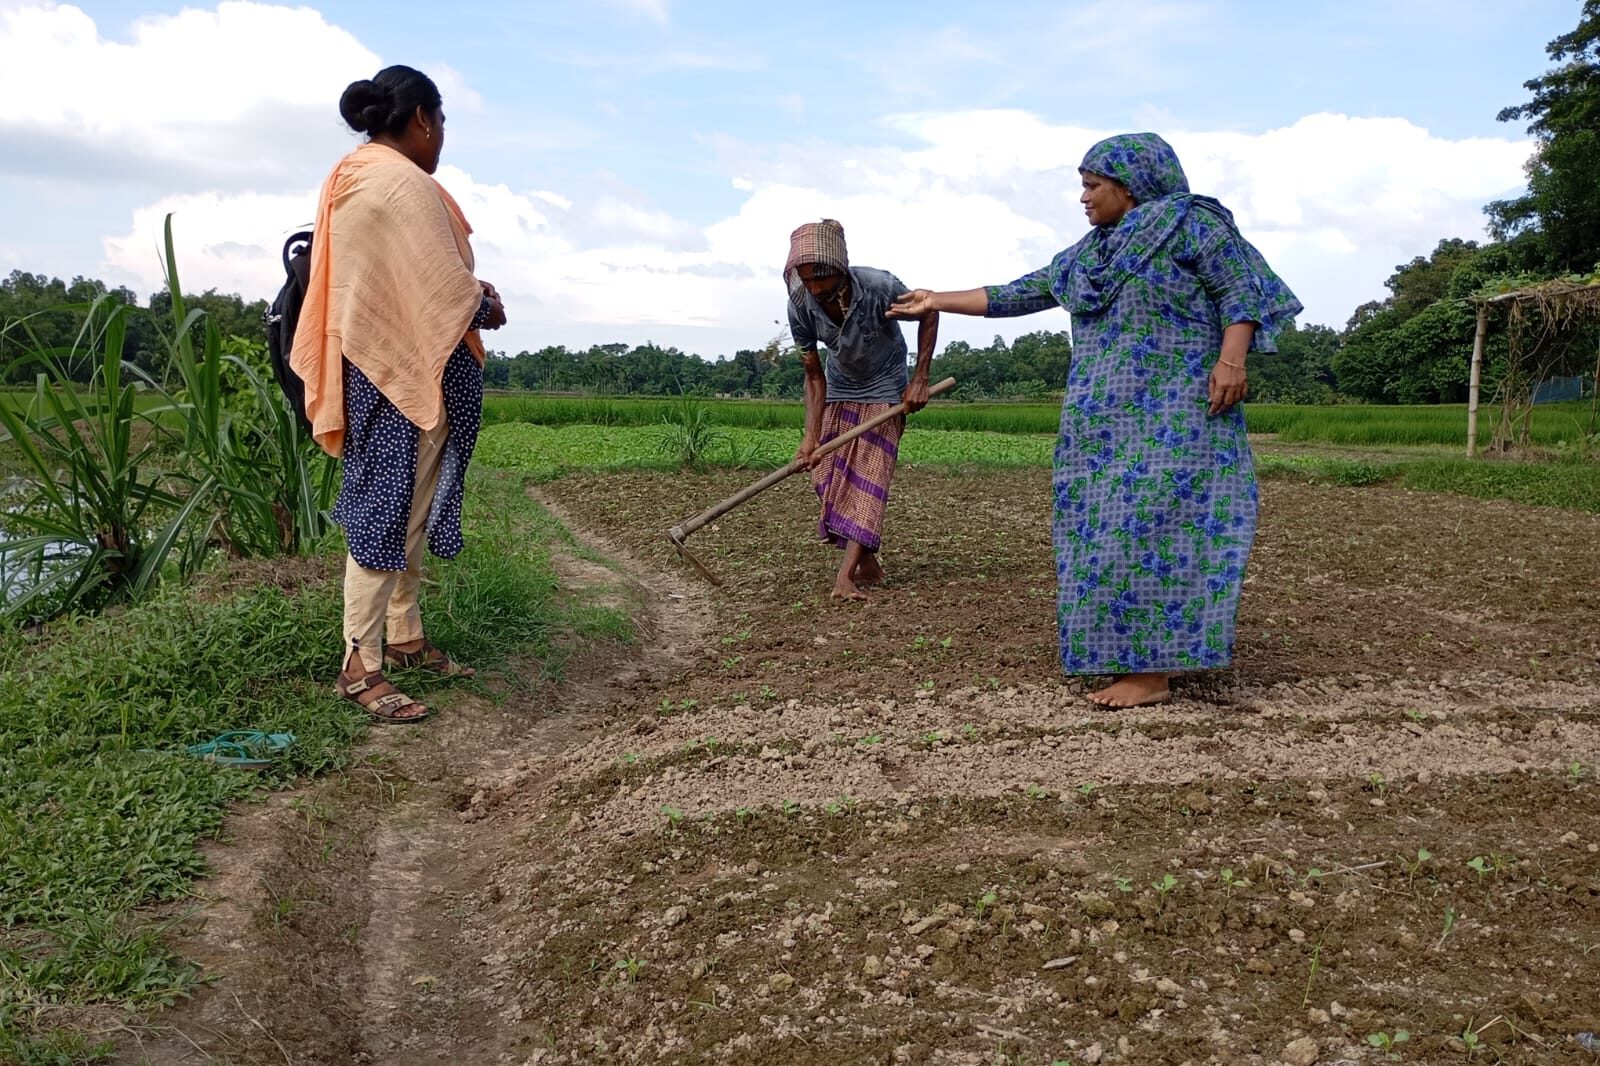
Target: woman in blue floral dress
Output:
[{"x": 1155, "y": 493}]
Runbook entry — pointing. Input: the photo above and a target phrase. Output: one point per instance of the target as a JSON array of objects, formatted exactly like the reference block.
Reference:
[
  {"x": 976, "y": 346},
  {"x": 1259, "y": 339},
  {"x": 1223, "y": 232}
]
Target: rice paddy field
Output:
[{"x": 1344, "y": 424}]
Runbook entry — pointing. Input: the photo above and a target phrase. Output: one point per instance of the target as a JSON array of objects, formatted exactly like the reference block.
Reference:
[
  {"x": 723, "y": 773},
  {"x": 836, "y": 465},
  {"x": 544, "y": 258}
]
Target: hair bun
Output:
[{"x": 365, "y": 105}]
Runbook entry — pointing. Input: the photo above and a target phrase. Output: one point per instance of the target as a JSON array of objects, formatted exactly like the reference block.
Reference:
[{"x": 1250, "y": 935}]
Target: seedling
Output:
[
  {"x": 1231, "y": 882},
  {"x": 1471, "y": 1040},
  {"x": 768, "y": 692},
  {"x": 969, "y": 731},
  {"x": 1387, "y": 1043},
  {"x": 945, "y": 643},
  {"x": 871, "y": 740},
  {"x": 1376, "y": 782},
  {"x": 1449, "y": 925},
  {"x": 744, "y": 814},
  {"x": 837, "y": 806},
  {"x": 1165, "y": 885},
  {"x": 1124, "y": 884},
  {"x": 1036, "y": 792},
  {"x": 1481, "y": 866},
  {"x": 1417, "y": 716},
  {"x": 790, "y": 808},
  {"x": 732, "y": 661},
  {"x": 628, "y": 758},
  {"x": 1316, "y": 964},
  {"x": 674, "y": 815},
  {"x": 984, "y": 902},
  {"x": 926, "y": 686},
  {"x": 629, "y": 968},
  {"x": 932, "y": 737},
  {"x": 1423, "y": 855},
  {"x": 1575, "y": 772}
]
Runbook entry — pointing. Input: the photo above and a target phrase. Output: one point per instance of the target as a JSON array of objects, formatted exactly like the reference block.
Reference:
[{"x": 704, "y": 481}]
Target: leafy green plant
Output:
[
  {"x": 689, "y": 434},
  {"x": 1387, "y": 1042},
  {"x": 1413, "y": 867},
  {"x": 751, "y": 453},
  {"x": 98, "y": 523},
  {"x": 982, "y": 903},
  {"x": 628, "y": 968}
]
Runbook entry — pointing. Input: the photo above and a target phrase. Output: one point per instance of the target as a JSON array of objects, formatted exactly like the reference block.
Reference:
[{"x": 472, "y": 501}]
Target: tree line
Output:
[{"x": 48, "y": 313}]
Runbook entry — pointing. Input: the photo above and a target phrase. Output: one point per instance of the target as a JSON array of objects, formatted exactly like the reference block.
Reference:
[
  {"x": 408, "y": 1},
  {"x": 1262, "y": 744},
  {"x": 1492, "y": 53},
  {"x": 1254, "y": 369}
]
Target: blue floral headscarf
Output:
[
  {"x": 1098, "y": 264},
  {"x": 1143, "y": 162}
]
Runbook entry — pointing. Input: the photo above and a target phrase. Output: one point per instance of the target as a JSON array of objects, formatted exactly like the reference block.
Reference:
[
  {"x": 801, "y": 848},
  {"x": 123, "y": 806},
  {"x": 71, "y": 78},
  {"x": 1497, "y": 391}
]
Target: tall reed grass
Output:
[{"x": 133, "y": 476}]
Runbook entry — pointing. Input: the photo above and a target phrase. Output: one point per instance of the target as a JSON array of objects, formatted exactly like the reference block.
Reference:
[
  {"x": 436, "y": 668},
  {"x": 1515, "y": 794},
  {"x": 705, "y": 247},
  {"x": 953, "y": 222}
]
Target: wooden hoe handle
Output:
[{"x": 679, "y": 532}]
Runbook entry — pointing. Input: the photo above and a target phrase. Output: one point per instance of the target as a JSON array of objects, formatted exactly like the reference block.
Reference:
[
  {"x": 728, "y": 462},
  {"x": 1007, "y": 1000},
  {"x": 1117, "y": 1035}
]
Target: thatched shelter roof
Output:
[{"x": 1539, "y": 311}]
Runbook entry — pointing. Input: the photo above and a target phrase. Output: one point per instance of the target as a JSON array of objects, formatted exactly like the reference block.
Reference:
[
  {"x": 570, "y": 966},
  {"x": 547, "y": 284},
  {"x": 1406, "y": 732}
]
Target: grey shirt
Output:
[{"x": 867, "y": 352}]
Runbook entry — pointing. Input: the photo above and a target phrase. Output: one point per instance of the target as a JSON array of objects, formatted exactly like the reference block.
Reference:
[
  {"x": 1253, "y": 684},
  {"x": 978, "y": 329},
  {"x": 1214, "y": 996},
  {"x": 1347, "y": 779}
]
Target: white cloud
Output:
[
  {"x": 1335, "y": 202},
  {"x": 202, "y": 106},
  {"x": 242, "y": 96}
]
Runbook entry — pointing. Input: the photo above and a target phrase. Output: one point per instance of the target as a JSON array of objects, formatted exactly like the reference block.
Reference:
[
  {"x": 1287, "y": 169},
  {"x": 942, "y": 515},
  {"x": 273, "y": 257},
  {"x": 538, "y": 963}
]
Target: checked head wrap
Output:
[{"x": 817, "y": 243}]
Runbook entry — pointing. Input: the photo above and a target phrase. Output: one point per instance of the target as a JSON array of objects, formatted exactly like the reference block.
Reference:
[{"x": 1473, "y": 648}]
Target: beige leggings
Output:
[{"x": 379, "y": 599}]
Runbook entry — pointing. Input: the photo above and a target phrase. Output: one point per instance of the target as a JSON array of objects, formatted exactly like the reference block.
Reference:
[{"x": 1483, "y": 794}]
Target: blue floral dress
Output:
[{"x": 1155, "y": 501}]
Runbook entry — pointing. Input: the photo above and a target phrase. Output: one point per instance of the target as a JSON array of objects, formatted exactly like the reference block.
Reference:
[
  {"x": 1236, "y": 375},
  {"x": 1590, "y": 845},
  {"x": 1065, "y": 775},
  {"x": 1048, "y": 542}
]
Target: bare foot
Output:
[
  {"x": 845, "y": 589},
  {"x": 1134, "y": 690},
  {"x": 869, "y": 572}
]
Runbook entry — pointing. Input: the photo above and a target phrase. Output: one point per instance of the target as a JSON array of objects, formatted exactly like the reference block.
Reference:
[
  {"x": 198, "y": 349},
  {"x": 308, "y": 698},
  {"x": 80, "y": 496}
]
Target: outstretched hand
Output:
[{"x": 914, "y": 304}]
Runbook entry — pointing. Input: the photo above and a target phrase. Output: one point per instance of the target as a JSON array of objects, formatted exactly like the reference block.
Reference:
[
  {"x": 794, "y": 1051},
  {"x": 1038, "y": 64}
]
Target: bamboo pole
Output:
[
  {"x": 1476, "y": 381},
  {"x": 1594, "y": 404}
]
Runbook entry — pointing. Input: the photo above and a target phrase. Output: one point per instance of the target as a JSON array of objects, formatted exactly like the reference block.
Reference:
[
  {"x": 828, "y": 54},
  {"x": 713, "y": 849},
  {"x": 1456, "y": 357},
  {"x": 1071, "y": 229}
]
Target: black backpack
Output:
[{"x": 281, "y": 319}]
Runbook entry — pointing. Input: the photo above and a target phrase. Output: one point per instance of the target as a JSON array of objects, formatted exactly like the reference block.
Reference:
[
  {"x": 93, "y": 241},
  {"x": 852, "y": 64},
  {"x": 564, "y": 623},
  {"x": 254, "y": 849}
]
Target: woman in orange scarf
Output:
[{"x": 387, "y": 345}]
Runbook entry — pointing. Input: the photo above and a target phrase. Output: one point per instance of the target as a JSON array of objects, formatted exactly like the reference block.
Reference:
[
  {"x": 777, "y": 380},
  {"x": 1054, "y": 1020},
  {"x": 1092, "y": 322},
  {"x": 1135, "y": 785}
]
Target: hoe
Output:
[{"x": 684, "y": 530}]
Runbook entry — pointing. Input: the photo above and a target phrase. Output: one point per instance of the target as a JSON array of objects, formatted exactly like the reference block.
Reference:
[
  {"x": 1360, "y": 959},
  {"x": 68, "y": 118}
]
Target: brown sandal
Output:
[
  {"x": 429, "y": 657},
  {"x": 386, "y": 708}
]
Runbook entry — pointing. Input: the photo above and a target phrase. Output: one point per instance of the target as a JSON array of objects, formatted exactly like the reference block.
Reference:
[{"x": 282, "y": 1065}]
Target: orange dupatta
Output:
[{"x": 391, "y": 290}]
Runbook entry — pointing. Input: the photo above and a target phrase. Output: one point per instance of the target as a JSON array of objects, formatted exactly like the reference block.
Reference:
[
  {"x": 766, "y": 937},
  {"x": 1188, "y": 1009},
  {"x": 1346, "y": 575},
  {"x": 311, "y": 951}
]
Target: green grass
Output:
[
  {"x": 101, "y": 813},
  {"x": 750, "y": 414},
  {"x": 1347, "y": 424},
  {"x": 19, "y": 397},
  {"x": 1367, "y": 424},
  {"x": 1571, "y": 485},
  {"x": 545, "y": 452}
]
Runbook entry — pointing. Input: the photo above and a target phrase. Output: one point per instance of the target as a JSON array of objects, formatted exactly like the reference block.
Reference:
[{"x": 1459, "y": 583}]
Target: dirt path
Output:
[
  {"x": 346, "y": 921},
  {"x": 789, "y": 831}
]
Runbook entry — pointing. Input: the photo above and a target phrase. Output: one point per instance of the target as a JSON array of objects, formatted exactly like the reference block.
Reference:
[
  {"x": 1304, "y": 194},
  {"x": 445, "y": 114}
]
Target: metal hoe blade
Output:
[{"x": 675, "y": 534}]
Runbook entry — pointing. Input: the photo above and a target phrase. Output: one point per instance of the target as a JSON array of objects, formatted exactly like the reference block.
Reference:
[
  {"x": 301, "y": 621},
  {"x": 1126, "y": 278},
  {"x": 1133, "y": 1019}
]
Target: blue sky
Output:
[{"x": 633, "y": 167}]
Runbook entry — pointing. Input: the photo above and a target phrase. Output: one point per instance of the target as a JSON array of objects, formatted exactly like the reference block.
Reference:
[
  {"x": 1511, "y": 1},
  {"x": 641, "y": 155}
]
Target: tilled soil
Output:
[{"x": 799, "y": 831}]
